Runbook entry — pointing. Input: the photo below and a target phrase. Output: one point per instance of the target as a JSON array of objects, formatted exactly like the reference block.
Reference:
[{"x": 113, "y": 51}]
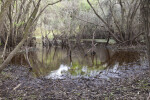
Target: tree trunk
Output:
[
  {"x": 145, "y": 14},
  {"x": 4, "y": 10},
  {"x": 26, "y": 32}
]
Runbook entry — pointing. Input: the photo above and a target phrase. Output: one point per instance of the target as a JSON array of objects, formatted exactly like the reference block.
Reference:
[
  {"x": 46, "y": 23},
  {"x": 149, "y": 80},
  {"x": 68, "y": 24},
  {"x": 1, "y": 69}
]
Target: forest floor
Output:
[{"x": 16, "y": 83}]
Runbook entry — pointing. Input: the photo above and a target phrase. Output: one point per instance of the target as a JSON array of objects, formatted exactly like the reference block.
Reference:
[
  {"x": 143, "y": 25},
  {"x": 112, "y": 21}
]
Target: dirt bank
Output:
[{"x": 17, "y": 83}]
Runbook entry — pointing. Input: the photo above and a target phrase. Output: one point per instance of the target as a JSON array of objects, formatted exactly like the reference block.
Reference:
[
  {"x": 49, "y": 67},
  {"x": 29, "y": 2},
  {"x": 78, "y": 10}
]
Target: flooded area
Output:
[
  {"x": 56, "y": 74},
  {"x": 56, "y": 63}
]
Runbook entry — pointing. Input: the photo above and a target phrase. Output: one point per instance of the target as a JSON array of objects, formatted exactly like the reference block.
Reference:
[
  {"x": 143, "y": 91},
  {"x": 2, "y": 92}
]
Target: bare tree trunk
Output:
[
  {"x": 107, "y": 25},
  {"x": 146, "y": 14},
  {"x": 10, "y": 31},
  {"x": 27, "y": 28},
  {"x": 26, "y": 32},
  {"x": 4, "y": 11}
]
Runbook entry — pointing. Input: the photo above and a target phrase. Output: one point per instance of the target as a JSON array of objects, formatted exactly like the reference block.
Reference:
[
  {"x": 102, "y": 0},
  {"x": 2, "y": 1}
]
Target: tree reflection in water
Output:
[{"x": 56, "y": 62}]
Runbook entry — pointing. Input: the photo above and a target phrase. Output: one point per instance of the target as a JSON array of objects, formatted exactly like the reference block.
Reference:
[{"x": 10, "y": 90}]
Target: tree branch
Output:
[
  {"x": 109, "y": 29},
  {"x": 46, "y": 7}
]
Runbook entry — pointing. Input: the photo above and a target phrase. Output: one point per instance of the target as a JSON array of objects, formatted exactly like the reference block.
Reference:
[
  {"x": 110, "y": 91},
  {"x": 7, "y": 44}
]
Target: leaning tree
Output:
[
  {"x": 124, "y": 24},
  {"x": 29, "y": 19}
]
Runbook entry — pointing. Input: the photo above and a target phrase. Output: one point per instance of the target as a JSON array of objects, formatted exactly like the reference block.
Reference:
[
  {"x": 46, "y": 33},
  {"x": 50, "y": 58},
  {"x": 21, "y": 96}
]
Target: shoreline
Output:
[{"x": 17, "y": 83}]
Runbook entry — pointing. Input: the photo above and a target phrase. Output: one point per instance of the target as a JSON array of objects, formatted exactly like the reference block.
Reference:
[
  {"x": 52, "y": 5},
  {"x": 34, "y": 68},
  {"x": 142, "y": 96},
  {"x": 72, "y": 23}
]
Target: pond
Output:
[{"x": 56, "y": 63}]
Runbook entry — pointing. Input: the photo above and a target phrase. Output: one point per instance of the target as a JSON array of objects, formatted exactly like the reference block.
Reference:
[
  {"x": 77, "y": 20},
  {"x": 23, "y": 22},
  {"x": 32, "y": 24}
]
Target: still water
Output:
[{"x": 56, "y": 63}]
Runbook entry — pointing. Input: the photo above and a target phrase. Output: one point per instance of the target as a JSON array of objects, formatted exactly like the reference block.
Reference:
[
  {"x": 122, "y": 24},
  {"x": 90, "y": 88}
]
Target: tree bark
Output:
[
  {"x": 28, "y": 28},
  {"x": 146, "y": 14},
  {"x": 107, "y": 25},
  {"x": 26, "y": 32},
  {"x": 4, "y": 12}
]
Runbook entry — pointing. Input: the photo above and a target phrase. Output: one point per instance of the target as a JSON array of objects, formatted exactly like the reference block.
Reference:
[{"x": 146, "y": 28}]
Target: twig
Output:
[
  {"x": 17, "y": 86},
  {"x": 91, "y": 48},
  {"x": 46, "y": 7},
  {"x": 86, "y": 21}
]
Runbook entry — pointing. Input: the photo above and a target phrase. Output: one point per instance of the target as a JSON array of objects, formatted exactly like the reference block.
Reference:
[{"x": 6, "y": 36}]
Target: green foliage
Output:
[
  {"x": 85, "y": 6},
  {"x": 18, "y": 24},
  {"x": 77, "y": 69},
  {"x": 15, "y": 4}
]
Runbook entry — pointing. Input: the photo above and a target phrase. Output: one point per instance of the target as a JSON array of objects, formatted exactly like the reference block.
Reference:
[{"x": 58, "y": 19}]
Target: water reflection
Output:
[
  {"x": 55, "y": 62},
  {"x": 58, "y": 73}
]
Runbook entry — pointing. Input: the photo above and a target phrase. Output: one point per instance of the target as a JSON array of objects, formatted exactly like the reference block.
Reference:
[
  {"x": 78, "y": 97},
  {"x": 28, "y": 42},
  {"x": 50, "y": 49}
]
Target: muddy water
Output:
[{"x": 56, "y": 62}]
